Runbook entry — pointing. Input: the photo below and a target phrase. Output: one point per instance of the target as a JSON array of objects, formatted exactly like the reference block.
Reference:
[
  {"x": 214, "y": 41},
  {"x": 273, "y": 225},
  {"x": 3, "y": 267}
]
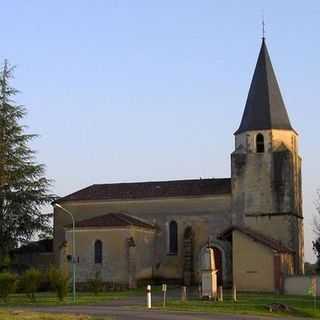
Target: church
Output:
[{"x": 152, "y": 232}]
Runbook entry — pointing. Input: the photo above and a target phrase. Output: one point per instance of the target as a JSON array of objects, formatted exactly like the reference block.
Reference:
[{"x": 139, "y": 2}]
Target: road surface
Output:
[{"x": 134, "y": 309}]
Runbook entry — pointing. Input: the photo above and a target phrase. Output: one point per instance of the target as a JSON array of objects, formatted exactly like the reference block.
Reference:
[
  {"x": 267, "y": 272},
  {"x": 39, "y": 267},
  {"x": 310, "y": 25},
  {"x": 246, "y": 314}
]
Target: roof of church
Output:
[
  {"x": 256, "y": 236},
  {"x": 112, "y": 220},
  {"x": 140, "y": 190},
  {"x": 264, "y": 108}
]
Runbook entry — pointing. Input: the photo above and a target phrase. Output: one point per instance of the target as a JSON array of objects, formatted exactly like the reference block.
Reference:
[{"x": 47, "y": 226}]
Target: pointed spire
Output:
[{"x": 264, "y": 108}]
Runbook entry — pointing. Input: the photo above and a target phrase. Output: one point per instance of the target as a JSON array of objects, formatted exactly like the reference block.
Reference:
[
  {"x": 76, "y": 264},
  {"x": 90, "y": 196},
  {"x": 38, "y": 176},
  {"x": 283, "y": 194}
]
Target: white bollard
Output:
[
  {"x": 234, "y": 289},
  {"x": 200, "y": 291},
  {"x": 149, "y": 297},
  {"x": 184, "y": 293}
]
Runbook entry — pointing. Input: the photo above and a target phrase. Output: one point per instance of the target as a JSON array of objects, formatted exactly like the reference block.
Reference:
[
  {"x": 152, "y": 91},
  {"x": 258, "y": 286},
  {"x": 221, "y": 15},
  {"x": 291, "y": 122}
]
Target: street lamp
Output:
[{"x": 73, "y": 250}]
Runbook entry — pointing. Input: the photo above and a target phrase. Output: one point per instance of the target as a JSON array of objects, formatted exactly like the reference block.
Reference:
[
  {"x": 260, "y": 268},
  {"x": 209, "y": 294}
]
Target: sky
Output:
[{"x": 123, "y": 91}]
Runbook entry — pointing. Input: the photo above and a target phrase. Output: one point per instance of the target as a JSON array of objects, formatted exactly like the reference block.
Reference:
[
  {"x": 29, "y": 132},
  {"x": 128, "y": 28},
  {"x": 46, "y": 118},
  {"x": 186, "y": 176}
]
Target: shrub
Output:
[
  {"x": 5, "y": 263},
  {"x": 58, "y": 280},
  {"x": 96, "y": 284},
  {"x": 8, "y": 283},
  {"x": 30, "y": 282}
]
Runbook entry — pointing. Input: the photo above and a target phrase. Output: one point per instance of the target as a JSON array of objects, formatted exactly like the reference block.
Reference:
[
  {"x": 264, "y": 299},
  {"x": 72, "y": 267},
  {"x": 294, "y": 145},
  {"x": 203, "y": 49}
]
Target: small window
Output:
[
  {"x": 173, "y": 238},
  {"x": 98, "y": 251},
  {"x": 260, "y": 143}
]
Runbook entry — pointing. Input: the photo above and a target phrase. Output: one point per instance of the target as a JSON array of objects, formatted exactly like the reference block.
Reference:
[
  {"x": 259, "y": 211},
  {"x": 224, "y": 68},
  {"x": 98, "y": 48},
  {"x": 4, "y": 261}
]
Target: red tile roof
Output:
[
  {"x": 140, "y": 190},
  {"x": 256, "y": 236},
  {"x": 112, "y": 220}
]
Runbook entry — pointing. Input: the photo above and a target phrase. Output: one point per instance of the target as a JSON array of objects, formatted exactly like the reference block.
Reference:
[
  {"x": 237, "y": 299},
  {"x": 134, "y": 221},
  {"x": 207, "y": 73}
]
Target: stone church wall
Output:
[
  {"x": 253, "y": 265},
  {"x": 115, "y": 253},
  {"x": 266, "y": 188},
  {"x": 207, "y": 215}
]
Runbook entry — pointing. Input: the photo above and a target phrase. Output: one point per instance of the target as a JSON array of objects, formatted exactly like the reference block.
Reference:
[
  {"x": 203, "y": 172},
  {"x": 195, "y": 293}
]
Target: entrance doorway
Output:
[{"x": 218, "y": 261}]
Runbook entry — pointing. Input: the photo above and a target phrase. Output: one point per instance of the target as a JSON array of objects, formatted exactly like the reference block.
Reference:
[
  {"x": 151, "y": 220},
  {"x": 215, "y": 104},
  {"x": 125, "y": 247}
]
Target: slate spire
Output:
[{"x": 264, "y": 108}]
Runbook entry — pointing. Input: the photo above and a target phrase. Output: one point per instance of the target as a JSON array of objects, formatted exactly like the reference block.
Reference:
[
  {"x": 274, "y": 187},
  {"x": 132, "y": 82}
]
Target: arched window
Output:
[
  {"x": 259, "y": 143},
  {"x": 173, "y": 238},
  {"x": 98, "y": 251}
]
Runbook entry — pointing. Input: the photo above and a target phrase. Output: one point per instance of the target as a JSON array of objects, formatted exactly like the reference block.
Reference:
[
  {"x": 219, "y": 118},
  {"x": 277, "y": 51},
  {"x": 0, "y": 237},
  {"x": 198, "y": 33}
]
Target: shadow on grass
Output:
[{"x": 250, "y": 304}]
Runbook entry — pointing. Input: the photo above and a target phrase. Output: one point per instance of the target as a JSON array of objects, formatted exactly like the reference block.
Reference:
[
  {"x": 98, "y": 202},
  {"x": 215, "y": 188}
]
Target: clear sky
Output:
[{"x": 153, "y": 90}]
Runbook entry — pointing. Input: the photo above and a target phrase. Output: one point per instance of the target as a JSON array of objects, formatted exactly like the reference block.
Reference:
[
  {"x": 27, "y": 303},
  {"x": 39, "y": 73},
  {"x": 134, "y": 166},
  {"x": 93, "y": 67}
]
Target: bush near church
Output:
[
  {"x": 8, "y": 282},
  {"x": 59, "y": 281},
  {"x": 30, "y": 282},
  {"x": 96, "y": 284}
]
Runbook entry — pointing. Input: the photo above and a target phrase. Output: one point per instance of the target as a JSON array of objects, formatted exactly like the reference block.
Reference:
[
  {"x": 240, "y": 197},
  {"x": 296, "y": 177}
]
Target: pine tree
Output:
[{"x": 24, "y": 189}]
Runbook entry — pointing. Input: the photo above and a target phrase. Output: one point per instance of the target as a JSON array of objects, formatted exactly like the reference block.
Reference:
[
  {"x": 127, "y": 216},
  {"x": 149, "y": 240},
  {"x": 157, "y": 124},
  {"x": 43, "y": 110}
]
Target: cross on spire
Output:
[{"x": 263, "y": 27}]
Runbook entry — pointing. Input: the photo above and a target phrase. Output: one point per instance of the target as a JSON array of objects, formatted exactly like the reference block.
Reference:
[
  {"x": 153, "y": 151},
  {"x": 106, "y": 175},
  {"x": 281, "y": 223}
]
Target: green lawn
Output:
[
  {"x": 251, "y": 304},
  {"x": 248, "y": 303},
  {"x": 83, "y": 298},
  {"x": 19, "y": 315}
]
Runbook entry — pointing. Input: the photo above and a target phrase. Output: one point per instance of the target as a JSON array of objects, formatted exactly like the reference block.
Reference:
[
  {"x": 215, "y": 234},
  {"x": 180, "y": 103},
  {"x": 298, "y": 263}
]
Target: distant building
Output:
[
  {"x": 37, "y": 254},
  {"x": 131, "y": 232}
]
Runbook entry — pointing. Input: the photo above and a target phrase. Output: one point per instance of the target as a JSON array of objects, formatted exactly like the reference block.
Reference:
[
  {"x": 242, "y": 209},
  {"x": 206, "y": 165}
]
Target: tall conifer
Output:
[{"x": 24, "y": 189}]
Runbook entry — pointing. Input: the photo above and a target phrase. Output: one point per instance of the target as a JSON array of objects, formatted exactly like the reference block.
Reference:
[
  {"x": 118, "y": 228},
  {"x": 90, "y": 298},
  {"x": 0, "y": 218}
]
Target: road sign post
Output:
[{"x": 164, "y": 290}]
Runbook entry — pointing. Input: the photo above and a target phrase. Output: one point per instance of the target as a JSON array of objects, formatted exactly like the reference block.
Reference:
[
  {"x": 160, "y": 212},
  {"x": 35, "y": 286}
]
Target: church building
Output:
[{"x": 134, "y": 233}]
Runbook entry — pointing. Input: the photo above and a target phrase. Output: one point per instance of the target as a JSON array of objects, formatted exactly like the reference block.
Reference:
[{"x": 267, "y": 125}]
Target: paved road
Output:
[
  {"x": 125, "y": 313},
  {"x": 133, "y": 308}
]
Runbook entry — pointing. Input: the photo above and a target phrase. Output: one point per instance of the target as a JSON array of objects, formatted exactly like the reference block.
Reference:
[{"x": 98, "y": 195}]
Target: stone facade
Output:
[
  {"x": 266, "y": 187},
  {"x": 118, "y": 264},
  {"x": 253, "y": 221},
  {"x": 207, "y": 217},
  {"x": 254, "y": 265}
]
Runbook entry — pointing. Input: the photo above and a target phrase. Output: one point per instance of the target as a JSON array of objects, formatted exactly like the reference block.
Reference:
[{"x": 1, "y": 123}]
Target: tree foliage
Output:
[
  {"x": 8, "y": 283},
  {"x": 59, "y": 281},
  {"x": 24, "y": 189},
  {"x": 30, "y": 281},
  {"x": 316, "y": 243},
  {"x": 96, "y": 284}
]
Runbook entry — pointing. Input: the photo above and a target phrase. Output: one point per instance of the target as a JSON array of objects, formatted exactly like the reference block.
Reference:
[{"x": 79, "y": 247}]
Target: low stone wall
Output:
[
  {"x": 300, "y": 285},
  {"x": 158, "y": 282},
  {"x": 106, "y": 286}
]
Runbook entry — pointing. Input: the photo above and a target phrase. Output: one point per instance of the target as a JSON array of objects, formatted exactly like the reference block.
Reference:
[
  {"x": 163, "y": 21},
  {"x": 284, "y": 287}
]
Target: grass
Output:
[
  {"x": 250, "y": 304},
  {"x": 22, "y": 315},
  {"x": 83, "y": 298},
  {"x": 247, "y": 304}
]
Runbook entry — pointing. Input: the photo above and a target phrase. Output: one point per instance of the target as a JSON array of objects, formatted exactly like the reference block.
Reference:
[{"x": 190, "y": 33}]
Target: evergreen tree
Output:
[{"x": 24, "y": 189}]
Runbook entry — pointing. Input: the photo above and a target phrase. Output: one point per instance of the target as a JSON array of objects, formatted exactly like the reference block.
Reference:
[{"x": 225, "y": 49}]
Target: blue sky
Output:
[{"x": 153, "y": 90}]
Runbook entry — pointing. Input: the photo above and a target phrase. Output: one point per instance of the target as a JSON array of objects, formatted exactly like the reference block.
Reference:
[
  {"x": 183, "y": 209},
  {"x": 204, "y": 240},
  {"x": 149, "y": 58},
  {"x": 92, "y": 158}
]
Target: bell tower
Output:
[{"x": 266, "y": 166}]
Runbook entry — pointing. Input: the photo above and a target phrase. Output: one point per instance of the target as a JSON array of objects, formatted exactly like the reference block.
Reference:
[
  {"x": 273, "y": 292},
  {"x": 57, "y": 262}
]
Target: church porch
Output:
[{"x": 259, "y": 263}]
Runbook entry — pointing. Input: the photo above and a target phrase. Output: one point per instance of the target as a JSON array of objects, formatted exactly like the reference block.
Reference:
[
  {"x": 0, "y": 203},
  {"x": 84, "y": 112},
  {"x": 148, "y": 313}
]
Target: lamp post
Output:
[{"x": 73, "y": 250}]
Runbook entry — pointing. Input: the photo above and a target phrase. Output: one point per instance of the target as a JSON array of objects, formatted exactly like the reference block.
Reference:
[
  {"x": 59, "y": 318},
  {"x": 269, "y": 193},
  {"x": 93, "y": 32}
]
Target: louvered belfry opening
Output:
[{"x": 259, "y": 143}]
